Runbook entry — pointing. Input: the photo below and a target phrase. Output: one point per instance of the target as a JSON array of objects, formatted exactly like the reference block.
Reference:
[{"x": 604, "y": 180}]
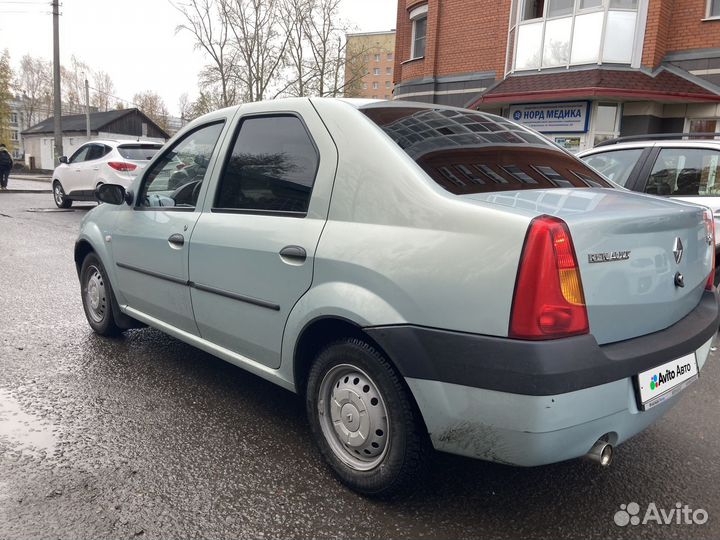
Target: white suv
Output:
[{"x": 99, "y": 162}]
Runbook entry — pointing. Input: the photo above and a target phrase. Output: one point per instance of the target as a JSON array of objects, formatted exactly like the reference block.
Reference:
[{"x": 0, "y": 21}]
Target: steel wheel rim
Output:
[
  {"x": 58, "y": 194},
  {"x": 95, "y": 295},
  {"x": 353, "y": 417}
]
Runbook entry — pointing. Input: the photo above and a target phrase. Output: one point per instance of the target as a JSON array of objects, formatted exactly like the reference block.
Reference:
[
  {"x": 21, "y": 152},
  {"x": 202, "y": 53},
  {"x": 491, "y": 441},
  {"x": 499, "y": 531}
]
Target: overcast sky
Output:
[{"x": 135, "y": 40}]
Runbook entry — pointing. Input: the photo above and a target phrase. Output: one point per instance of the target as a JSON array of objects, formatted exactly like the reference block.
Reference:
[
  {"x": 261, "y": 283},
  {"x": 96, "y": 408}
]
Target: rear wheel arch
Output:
[
  {"x": 316, "y": 335},
  {"x": 395, "y": 438},
  {"x": 321, "y": 332}
]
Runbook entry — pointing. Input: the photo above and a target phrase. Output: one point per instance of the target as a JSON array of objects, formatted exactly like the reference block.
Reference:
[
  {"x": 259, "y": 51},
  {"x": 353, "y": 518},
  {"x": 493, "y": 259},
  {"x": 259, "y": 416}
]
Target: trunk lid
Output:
[{"x": 630, "y": 247}]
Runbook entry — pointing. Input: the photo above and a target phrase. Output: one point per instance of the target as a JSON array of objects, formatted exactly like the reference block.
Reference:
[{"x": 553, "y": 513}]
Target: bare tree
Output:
[
  {"x": 103, "y": 90},
  {"x": 153, "y": 106},
  {"x": 298, "y": 65},
  {"x": 34, "y": 85},
  {"x": 205, "y": 20},
  {"x": 186, "y": 108},
  {"x": 262, "y": 49},
  {"x": 73, "y": 81},
  {"x": 261, "y": 46},
  {"x": 319, "y": 61}
]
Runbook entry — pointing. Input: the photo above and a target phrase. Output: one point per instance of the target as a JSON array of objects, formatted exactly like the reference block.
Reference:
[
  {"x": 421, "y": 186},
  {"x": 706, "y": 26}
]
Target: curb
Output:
[{"x": 27, "y": 191}]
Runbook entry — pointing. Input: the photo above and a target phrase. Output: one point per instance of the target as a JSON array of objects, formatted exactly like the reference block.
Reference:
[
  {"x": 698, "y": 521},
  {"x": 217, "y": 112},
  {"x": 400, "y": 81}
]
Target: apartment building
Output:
[{"x": 370, "y": 65}]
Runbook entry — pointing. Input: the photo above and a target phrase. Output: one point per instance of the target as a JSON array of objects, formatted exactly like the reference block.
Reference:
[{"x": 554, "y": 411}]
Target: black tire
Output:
[
  {"x": 406, "y": 447},
  {"x": 59, "y": 196},
  {"x": 98, "y": 298}
]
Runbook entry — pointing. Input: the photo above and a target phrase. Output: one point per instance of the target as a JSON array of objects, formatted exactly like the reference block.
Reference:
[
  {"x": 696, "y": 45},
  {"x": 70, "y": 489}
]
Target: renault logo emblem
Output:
[{"x": 678, "y": 250}]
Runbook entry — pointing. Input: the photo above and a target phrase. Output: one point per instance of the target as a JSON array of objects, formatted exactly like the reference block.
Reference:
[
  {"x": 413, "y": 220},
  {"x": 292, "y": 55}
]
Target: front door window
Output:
[{"x": 174, "y": 181}]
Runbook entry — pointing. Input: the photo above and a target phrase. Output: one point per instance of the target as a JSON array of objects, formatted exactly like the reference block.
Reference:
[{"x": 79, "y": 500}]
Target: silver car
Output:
[
  {"x": 686, "y": 170},
  {"x": 423, "y": 276}
]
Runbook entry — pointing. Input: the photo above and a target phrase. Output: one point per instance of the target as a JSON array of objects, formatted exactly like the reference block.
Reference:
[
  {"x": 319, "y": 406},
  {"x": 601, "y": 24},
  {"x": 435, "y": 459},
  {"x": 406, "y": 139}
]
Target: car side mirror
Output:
[
  {"x": 63, "y": 159},
  {"x": 113, "y": 194}
]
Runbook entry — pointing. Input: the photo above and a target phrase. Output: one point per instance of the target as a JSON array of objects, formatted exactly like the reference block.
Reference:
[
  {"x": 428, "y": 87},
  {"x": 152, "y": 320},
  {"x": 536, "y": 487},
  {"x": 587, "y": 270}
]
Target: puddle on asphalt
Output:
[{"x": 22, "y": 431}]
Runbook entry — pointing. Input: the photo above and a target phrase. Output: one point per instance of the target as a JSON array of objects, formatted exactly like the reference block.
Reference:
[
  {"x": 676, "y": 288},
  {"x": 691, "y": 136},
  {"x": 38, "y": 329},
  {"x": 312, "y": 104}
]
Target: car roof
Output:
[{"x": 695, "y": 143}]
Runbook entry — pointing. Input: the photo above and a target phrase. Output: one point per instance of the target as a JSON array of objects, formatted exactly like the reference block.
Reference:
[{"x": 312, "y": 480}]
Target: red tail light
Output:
[
  {"x": 549, "y": 302},
  {"x": 710, "y": 231},
  {"x": 122, "y": 166}
]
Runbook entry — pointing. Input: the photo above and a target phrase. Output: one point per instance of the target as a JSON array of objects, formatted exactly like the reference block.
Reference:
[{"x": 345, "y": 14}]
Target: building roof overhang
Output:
[{"x": 600, "y": 83}]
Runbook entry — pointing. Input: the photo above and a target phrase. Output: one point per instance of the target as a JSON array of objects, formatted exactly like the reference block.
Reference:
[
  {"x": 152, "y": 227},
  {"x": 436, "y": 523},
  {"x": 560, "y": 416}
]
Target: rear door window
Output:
[
  {"x": 685, "y": 171},
  {"x": 96, "y": 151},
  {"x": 271, "y": 169},
  {"x": 468, "y": 152},
  {"x": 615, "y": 164}
]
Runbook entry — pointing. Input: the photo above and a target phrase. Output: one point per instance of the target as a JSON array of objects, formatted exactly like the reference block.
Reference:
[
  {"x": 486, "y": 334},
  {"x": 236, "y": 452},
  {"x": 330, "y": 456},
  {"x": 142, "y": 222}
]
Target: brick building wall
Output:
[
  {"x": 462, "y": 36},
  {"x": 688, "y": 29}
]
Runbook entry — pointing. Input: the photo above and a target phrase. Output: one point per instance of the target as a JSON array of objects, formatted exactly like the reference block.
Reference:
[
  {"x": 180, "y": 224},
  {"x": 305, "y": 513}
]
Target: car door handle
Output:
[
  {"x": 293, "y": 254},
  {"x": 176, "y": 240}
]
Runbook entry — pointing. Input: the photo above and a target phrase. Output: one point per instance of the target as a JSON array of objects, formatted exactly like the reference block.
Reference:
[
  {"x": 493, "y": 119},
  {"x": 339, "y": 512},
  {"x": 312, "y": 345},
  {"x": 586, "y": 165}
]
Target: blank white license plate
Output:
[{"x": 662, "y": 382}]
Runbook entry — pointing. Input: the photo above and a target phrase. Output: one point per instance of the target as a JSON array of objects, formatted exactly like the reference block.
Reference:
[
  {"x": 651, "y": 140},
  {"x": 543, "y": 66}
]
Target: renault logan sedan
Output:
[{"x": 424, "y": 276}]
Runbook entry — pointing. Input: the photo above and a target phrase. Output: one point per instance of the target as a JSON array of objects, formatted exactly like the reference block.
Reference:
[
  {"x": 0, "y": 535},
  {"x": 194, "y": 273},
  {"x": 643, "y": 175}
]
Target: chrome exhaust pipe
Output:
[{"x": 601, "y": 453}]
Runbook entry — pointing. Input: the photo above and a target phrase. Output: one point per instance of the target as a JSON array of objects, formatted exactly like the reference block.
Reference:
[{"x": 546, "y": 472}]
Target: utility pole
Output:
[
  {"x": 57, "y": 98},
  {"x": 87, "y": 109}
]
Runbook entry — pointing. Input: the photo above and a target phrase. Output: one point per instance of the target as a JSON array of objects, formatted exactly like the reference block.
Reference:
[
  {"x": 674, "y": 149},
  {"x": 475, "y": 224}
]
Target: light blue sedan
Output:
[{"x": 424, "y": 276}]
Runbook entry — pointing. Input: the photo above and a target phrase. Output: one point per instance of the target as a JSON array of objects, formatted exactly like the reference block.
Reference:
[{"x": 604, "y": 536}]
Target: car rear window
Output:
[
  {"x": 469, "y": 152},
  {"x": 139, "y": 152}
]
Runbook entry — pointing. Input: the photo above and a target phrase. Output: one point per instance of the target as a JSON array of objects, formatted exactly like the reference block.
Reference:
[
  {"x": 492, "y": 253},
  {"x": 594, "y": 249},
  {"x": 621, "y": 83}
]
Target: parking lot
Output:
[{"x": 145, "y": 436}]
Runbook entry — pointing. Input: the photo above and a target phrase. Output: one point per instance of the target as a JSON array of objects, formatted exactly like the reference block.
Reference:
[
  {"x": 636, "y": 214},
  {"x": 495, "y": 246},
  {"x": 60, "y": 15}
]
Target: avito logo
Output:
[
  {"x": 682, "y": 514},
  {"x": 669, "y": 375}
]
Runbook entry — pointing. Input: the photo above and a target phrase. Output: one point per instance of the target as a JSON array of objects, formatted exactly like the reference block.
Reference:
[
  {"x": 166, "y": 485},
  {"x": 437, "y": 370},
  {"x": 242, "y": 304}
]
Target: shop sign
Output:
[{"x": 564, "y": 117}]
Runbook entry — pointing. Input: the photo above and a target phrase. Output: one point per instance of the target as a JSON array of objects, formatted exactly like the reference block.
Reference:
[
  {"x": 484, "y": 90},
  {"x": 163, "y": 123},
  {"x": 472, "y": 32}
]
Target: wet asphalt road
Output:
[{"x": 144, "y": 436}]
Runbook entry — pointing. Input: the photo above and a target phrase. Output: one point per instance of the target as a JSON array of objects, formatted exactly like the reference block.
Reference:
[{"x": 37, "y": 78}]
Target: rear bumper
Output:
[
  {"x": 528, "y": 431},
  {"x": 540, "y": 368},
  {"x": 528, "y": 403}
]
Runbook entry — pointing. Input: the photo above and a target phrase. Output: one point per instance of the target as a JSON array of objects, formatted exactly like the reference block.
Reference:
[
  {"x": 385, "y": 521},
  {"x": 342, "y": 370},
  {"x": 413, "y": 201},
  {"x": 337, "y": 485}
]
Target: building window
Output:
[
  {"x": 388, "y": 84},
  {"x": 388, "y": 71},
  {"x": 532, "y": 9},
  {"x": 377, "y": 57},
  {"x": 376, "y": 71},
  {"x": 606, "y": 122},
  {"x": 560, "y": 33},
  {"x": 365, "y": 86},
  {"x": 390, "y": 57},
  {"x": 711, "y": 125},
  {"x": 14, "y": 135},
  {"x": 418, "y": 16},
  {"x": 13, "y": 118},
  {"x": 713, "y": 8},
  {"x": 375, "y": 86}
]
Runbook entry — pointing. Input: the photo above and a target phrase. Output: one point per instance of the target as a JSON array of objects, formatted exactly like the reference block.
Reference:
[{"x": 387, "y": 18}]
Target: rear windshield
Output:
[
  {"x": 469, "y": 152},
  {"x": 139, "y": 152}
]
